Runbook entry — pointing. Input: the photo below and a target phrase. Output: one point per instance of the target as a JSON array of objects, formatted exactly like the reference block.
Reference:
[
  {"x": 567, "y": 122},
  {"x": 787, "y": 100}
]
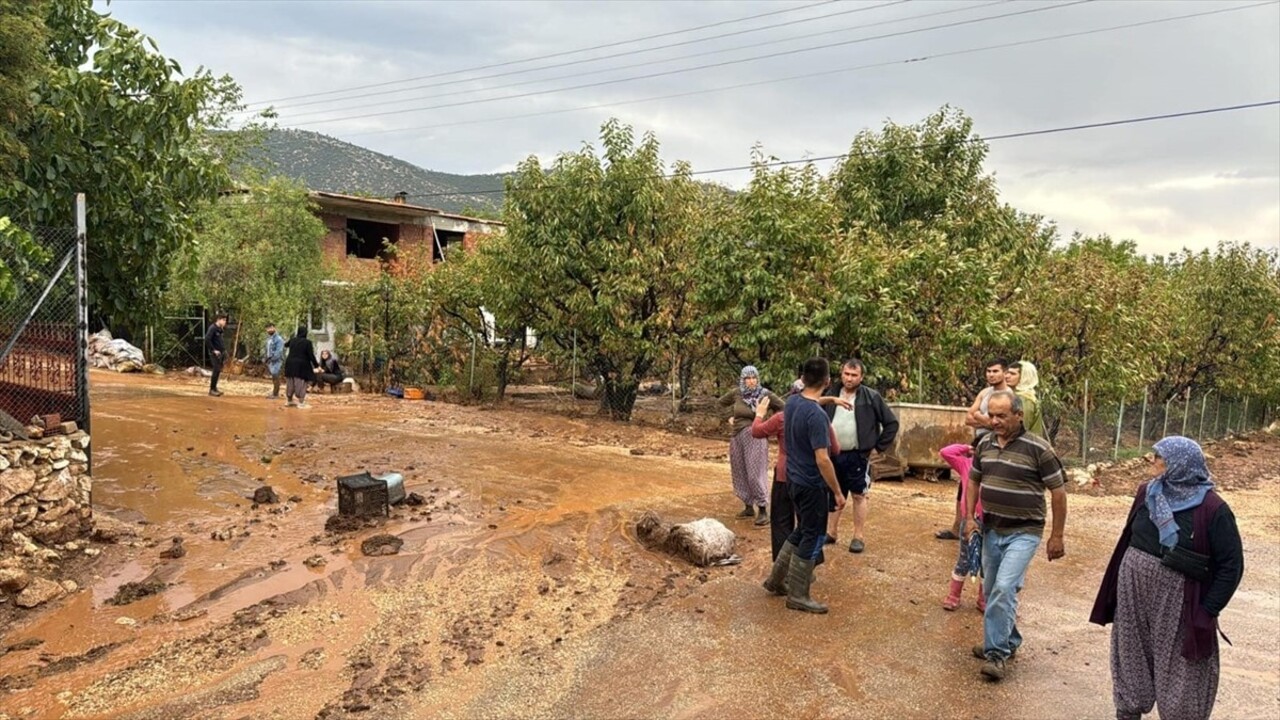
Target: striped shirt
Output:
[{"x": 1013, "y": 479}]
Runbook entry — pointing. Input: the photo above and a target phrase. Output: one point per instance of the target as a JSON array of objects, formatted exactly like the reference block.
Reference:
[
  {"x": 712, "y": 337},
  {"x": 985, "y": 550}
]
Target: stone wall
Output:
[{"x": 44, "y": 492}]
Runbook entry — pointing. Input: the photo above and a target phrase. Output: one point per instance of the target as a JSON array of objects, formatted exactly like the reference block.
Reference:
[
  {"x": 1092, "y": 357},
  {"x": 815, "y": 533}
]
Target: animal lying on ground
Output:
[{"x": 701, "y": 542}]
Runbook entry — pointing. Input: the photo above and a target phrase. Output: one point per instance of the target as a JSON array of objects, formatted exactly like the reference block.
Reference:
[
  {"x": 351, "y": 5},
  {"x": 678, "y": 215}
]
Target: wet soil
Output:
[{"x": 520, "y": 589}]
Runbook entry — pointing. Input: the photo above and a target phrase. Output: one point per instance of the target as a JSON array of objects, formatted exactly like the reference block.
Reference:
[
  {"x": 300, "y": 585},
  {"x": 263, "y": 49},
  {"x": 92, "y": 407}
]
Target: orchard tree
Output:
[
  {"x": 928, "y": 259},
  {"x": 113, "y": 118},
  {"x": 595, "y": 246},
  {"x": 764, "y": 270},
  {"x": 256, "y": 256}
]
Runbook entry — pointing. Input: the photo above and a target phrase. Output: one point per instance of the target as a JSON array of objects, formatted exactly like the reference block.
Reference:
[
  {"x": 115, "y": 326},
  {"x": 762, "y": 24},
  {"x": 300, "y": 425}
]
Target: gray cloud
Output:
[{"x": 1166, "y": 184}]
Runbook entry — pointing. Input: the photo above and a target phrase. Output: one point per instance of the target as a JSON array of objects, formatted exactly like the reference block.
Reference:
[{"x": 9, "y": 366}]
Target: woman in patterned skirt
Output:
[
  {"x": 749, "y": 456},
  {"x": 1178, "y": 562}
]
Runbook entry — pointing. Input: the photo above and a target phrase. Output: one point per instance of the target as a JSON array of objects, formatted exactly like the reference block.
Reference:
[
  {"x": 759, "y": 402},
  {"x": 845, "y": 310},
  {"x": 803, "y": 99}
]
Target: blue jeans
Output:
[{"x": 1004, "y": 566}]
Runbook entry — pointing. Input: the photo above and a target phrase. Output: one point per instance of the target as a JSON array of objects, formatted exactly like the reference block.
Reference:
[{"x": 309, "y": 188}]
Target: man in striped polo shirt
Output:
[{"x": 1011, "y": 469}]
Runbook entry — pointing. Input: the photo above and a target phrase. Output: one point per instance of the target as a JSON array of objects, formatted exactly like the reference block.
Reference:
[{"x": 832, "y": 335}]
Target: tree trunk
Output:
[{"x": 619, "y": 397}]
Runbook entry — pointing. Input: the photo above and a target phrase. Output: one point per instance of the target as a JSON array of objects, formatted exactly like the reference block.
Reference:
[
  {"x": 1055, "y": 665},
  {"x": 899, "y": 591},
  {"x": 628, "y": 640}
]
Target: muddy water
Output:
[{"x": 520, "y": 592}]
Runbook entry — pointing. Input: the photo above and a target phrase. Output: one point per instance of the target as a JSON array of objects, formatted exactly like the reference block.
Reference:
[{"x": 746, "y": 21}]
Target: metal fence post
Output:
[
  {"x": 1186, "y": 412},
  {"x": 573, "y": 374},
  {"x": 1204, "y": 405},
  {"x": 1115, "y": 453},
  {"x": 1244, "y": 419},
  {"x": 1142, "y": 426},
  {"x": 1165, "y": 431},
  {"x": 471, "y": 385},
  {"x": 82, "y": 325},
  {"x": 1217, "y": 413},
  {"x": 1084, "y": 429}
]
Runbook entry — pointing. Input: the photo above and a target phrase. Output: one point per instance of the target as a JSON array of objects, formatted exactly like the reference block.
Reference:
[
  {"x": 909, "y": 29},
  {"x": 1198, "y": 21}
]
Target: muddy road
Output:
[{"x": 520, "y": 591}]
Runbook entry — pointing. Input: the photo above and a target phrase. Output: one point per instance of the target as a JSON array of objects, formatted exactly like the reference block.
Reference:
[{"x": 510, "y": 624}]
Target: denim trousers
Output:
[{"x": 1004, "y": 567}]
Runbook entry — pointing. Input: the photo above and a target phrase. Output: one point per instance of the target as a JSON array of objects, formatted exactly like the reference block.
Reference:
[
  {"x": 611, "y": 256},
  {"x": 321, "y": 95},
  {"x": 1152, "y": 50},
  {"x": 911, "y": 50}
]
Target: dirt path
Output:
[{"x": 520, "y": 591}]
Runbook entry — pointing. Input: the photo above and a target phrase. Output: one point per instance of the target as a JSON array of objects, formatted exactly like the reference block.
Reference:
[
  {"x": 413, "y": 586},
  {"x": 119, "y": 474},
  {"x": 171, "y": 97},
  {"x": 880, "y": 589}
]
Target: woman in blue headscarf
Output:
[
  {"x": 1178, "y": 562},
  {"x": 748, "y": 455}
]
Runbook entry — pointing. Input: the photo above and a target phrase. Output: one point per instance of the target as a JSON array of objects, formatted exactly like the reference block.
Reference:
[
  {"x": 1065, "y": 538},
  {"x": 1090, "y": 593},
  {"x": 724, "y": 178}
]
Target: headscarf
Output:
[
  {"x": 1027, "y": 381},
  {"x": 1182, "y": 486},
  {"x": 302, "y": 331},
  {"x": 749, "y": 396}
]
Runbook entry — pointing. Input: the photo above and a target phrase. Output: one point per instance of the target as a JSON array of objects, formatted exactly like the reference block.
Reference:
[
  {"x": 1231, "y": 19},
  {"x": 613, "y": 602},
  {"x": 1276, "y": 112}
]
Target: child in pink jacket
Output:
[{"x": 959, "y": 458}]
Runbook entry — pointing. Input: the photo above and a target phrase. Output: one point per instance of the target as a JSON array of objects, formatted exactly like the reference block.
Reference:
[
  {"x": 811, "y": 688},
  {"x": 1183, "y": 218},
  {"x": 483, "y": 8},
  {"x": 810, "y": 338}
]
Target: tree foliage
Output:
[
  {"x": 256, "y": 256},
  {"x": 595, "y": 246},
  {"x": 115, "y": 119}
]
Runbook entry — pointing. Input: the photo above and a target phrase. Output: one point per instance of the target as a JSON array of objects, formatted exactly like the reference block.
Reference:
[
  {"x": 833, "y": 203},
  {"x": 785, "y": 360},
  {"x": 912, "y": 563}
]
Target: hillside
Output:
[{"x": 325, "y": 163}]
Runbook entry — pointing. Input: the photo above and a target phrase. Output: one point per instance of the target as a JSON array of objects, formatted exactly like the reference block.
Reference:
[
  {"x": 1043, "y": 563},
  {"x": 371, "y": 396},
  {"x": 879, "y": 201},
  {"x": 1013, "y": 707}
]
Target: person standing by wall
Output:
[
  {"x": 1022, "y": 378},
  {"x": 299, "y": 368},
  {"x": 978, "y": 419},
  {"x": 274, "y": 356},
  {"x": 870, "y": 425},
  {"x": 217, "y": 353}
]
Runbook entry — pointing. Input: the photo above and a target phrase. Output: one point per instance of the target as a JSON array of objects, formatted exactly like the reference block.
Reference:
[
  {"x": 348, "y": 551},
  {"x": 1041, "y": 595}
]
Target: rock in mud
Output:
[
  {"x": 40, "y": 591},
  {"x": 701, "y": 542},
  {"x": 295, "y": 499},
  {"x": 265, "y": 495},
  {"x": 414, "y": 500},
  {"x": 315, "y": 561},
  {"x": 381, "y": 545},
  {"x": 14, "y": 580},
  {"x": 134, "y": 591},
  {"x": 175, "y": 550},
  {"x": 109, "y": 530}
]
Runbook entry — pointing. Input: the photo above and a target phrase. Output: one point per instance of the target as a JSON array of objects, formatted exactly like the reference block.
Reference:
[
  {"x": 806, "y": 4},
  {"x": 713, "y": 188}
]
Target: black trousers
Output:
[
  {"x": 811, "y": 507},
  {"x": 217, "y": 372},
  {"x": 782, "y": 515}
]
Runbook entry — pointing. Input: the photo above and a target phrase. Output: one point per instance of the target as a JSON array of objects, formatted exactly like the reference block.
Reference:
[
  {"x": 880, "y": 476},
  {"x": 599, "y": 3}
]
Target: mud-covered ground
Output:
[{"x": 520, "y": 591}]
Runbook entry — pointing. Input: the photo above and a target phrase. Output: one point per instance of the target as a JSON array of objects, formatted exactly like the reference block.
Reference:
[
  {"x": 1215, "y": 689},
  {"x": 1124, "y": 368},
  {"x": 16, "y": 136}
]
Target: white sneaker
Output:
[
  {"x": 291, "y": 404},
  {"x": 303, "y": 406}
]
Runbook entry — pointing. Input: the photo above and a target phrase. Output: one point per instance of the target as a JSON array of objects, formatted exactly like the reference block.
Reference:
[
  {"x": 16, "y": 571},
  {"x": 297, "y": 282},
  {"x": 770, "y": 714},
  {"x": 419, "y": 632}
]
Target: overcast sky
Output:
[{"x": 1167, "y": 185}]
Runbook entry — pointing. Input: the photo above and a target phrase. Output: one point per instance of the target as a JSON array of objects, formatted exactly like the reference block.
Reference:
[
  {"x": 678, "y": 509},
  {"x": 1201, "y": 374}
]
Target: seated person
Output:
[{"x": 330, "y": 372}]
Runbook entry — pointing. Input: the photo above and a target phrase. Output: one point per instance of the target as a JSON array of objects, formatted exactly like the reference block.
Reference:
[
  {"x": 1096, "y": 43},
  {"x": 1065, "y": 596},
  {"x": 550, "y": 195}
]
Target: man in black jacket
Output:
[
  {"x": 871, "y": 425},
  {"x": 217, "y": 353}
]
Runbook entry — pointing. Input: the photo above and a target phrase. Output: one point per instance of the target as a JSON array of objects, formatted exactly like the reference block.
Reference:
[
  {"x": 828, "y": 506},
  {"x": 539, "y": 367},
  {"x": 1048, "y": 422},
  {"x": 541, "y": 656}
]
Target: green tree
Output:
[
  {"x": 256, "y": 256},
  {"x": 120, "y": 122},
  {"x": 22, "y": 62},
  {"x": 929, "y": 260},
  {"x": 595, "y": 245}
]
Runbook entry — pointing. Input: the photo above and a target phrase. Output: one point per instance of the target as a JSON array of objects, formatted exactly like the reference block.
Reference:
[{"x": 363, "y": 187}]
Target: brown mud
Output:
[{"x": 520, "y": 590}]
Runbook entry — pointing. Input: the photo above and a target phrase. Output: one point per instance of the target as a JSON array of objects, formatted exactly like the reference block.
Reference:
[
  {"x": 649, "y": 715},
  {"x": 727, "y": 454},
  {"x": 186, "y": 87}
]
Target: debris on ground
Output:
[
  {"x": 701, "y": 542},
  {"x": 381, "y": 545},
  {"x": 175, "y": 550},
  {"x": 315, "y": 561},
  {"x": 265, "y": 495},
  {"x": 131, "y": 592}
]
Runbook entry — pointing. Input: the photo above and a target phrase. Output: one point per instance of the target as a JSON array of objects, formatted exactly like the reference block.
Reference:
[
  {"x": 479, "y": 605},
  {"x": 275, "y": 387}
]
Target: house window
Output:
[
  {"x": 444, "y": 240},
  {"x": 368, "y": 240},
  {"x": 316, "y": 320}
]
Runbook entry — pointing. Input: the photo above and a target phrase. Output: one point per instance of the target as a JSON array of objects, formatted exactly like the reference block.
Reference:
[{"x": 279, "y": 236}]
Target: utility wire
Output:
[
  {"x": 563, "y": 53},
  {"x": 694, "y": 41},
  {"x": 696, "y": 67},
  {"x": 647, "y": 63},
  {"x": 820, "y": 73},
  {"x": 922, "y": 146}
]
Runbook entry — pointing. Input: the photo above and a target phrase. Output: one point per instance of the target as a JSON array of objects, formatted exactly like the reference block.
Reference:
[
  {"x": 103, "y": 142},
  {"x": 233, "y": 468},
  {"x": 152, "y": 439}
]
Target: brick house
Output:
[{"x": 359, "y": 231}]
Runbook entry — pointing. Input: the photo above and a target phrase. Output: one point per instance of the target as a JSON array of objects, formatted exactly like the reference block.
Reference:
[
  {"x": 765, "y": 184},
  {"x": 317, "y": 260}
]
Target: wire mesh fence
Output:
[
  {"x": 42, "y": 355},
  {"x": 1085, "y": 432}
]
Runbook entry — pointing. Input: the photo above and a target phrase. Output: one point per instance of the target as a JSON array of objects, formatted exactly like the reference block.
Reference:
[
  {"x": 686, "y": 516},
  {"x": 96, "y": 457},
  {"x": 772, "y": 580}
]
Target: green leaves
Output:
[{"x": 125, "y": 127}]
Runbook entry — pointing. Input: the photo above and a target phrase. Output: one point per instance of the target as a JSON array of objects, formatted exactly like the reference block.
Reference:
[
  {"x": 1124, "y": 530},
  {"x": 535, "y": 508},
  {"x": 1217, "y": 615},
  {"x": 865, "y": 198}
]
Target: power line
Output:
[
  {"x": 820, "y": 73},
  {"x": 893, "y": 21},
  {"x": 697, "y": 67},
  {"x": 549, "y": 56},
  {"x": 923, "y": 146}
]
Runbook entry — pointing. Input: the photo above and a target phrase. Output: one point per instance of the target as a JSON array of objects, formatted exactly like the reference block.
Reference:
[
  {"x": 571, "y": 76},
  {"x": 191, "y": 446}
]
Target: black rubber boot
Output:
[
  {"x": 747, "y": 512},
  {"x": 799, "y": 577},
  {"x": 777, "y": 582},
  {"x": 762, "y": 516}
]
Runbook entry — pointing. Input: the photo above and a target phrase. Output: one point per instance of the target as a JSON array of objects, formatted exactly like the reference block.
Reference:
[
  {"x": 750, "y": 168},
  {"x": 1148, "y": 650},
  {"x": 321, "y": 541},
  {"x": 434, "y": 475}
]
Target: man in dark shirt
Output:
[
  {"x": 811, "y": 480},
  {"x": 217, "y": 353},
  {"x": 1012, "y": 468},
  {"x": 869, "y": 425}
]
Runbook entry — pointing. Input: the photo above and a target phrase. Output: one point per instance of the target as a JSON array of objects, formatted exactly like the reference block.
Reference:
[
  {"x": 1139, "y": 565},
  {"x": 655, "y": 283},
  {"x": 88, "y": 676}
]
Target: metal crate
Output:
[{"x": 362, "y": 496}]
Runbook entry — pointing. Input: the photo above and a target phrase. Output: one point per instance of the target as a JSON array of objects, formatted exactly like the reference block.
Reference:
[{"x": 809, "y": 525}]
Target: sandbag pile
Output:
[{"x": 118, "y": 355}]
